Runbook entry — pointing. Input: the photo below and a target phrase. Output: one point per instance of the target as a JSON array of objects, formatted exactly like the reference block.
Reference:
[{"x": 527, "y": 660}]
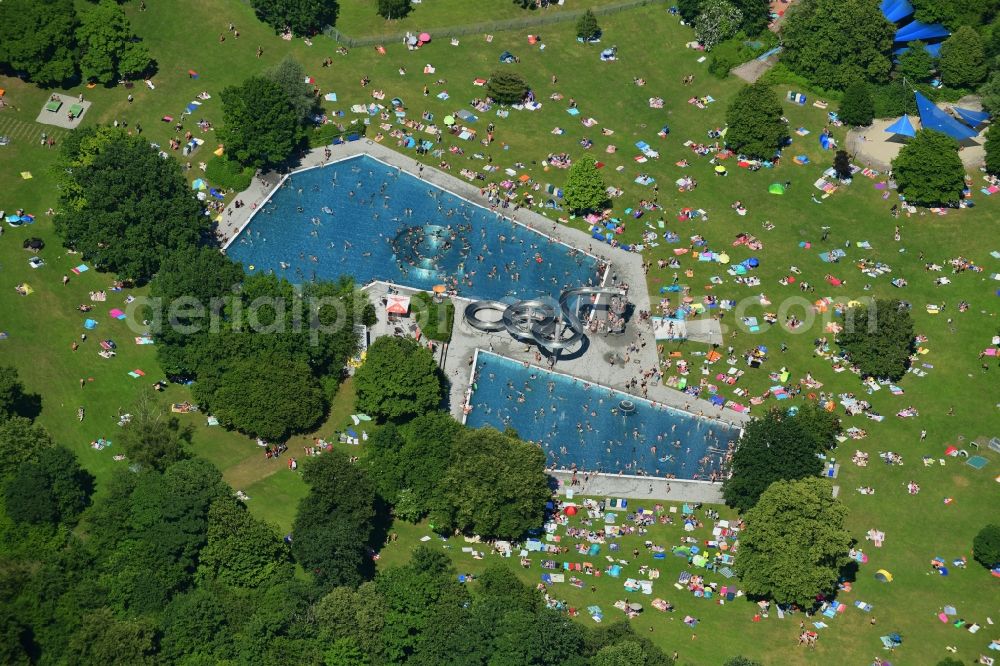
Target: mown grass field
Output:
[{"x": 42, "y": 326}]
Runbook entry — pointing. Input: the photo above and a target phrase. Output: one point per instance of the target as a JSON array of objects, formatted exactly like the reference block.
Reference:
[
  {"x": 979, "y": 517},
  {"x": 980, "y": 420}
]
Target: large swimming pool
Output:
[
  {"x": 584, "y": 425},
  {"x": 363, "y": 218}
]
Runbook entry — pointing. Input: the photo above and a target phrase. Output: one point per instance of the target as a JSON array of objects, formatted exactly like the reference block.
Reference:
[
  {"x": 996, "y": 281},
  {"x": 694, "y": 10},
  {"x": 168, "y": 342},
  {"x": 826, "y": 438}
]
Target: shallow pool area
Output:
[
  {"x": 584, "y": 425},
  {"x": 363, "y": 218}
]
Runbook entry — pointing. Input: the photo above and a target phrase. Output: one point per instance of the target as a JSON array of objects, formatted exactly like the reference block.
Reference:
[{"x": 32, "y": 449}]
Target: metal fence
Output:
[{"x": 487, "y": 27}]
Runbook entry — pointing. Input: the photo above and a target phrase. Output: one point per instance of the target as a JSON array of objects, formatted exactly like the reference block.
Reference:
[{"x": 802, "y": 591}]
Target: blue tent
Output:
[
  {"x": 970, "y": 117},
  {"x": 902, "y": 126},
  {"x": 896, "y": 10},
  {"x": 917, "y": 30},
  {"x": 934, "y": 118}
]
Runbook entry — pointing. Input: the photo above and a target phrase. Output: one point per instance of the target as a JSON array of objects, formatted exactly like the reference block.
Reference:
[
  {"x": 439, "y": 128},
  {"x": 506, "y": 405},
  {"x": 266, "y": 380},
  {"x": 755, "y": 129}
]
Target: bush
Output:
[
  {"x": 986, "y": 546},
  {"x": 781, "y": 75},
  {"x": 436, "y": 320},
  {"x": 728, "y": 54},
  {"x": 992, "y": 147},
  {"x": 228, "y": 174},
  {"x": 323, "y": 135},
  {"x": 893, "y": 100}
]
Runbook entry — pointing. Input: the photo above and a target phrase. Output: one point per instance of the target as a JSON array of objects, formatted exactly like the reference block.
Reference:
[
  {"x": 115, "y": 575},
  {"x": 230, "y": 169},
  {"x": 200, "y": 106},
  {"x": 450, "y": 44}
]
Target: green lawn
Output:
[{"x": 42, "y": 326}]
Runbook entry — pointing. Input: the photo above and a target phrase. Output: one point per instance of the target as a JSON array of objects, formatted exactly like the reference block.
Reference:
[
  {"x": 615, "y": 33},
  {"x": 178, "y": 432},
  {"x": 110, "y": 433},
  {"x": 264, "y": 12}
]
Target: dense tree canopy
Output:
[
  {"x": 241, "y": 550},
  {"x": 53, "y": 488},
  {"x": 755, "y": 125},
  {"x": 963, "y": 61},
  {"x": 398, "y": 380},
  {"x": 124, "y": 208},
  {"x": 774, "y": 447},
  {"x": 756, "y": 15},
  {"x": 12, "y": 393},
  {"x": 585, "y": 189},
  {"x": 38, "y": 37},
  {"x": 108, "y": 48},
  {"x": 302, "y": 17},
  {"x": 992, "y": 147},
  {"x": 794, "y": 544},
  {"x": 928, "y": 169},
  {"x": 916, "y": 64},
  {"x": 151, "y": 438},
  {"x": 497, "y": 486},
  {"x": 268, "y": 396},
  {"x": 956, "y": 13},
  {"x": 22, "y": 442},
  {"x": 261, "y": 126},
  {"x": 878, "y": 338},
  {"x": 835, "y": 43},
  {"x": 335, "y": 522}
]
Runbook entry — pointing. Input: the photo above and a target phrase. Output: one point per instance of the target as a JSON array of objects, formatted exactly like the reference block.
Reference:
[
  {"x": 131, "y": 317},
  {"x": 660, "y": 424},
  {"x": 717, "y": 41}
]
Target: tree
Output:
[
  {"x": 756, "y": 15},
  {"x": 955, "y": 13},
  {"x": 755, "y": 125},
  {"x": 990, "y": 91},
  {"x": 197, "y": 627},
  {"x": 497, "y": 486},
  {"x": 302, "y": 17},
  {"x": 834, "y": 43},
  {"x": 22, "y": 442},
  {"x": 124, "y": 208},
  {"x": 585, "y": 189},
  {"x": 842, "y": 165},
  {"x": 587, "y": 28},
  {"x": 689, "y": 9},
  {"x": 334, "y": 522},
  {"x": 773, "y": 448},
  {"x": 986, "y": 546},
  {"x": 52, "y": 489},
  {"x": 398, "y": 380},
  {"x": 394, "y": 9},
  {"x": 857, "y": 108},
  {"x": 151, "y": 439},
  {"x": 104, "y": 639},
  {"x": 916, "y": 64},
  {"x": 108, "y": 47},
  {"x": 992, "y": 147},
  {"x": 794, "y": 544},
  {"x": 948, "y": 661},
  {"x": 293, "y": 398},
  {"x": 718, "y": 21},
  {"x": 626, "y": 653},
  {"x": 928, "y": 169},
  {"x": 261, "y": 127},
  {"x": 241, "y": 551},
  {"x": 290, "y": 76},
  {"x": 963, "y": 62},
  {"x": 507, "y": 87},
  {"x": 38, "y": 37}
]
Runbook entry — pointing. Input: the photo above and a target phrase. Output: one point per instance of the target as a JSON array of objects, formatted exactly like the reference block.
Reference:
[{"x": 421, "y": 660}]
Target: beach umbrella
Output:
[
  {"x": 424, "y": 37},
  {"x": 723, "y": 258},
  {"x": 449, "y": 120},
  {"x": 883, "y": 576},
  {"x": 776, "y": 188},
  {"x": 635, "y": 606},
  {"x": 753, "y": 262},
  {"x": 439, "y": 289},
  {"x": 720, "y": 169},
  {"x": 570, "y": 510},
  {"x": 199, "y": 184}
]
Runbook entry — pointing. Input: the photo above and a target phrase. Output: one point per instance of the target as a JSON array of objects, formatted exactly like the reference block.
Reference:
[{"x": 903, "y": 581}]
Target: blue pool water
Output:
[
  {"x": 582, "y": 424},
  {"x": 363, "y": 218}
]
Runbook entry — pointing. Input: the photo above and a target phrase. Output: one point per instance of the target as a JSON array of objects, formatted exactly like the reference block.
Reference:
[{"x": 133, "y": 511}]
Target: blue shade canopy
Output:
[
  {"x": 971, "y": 118},
  {"x": 896, "y": 10},
  {"x": 902, "y": 126},
  {"x": 934, "y": 118},
  {"x": 917, "y": 30}
]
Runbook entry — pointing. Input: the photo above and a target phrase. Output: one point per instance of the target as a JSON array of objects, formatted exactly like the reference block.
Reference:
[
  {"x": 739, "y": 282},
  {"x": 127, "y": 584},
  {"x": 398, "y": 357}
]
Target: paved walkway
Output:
[{"x": 640, "y": 487}]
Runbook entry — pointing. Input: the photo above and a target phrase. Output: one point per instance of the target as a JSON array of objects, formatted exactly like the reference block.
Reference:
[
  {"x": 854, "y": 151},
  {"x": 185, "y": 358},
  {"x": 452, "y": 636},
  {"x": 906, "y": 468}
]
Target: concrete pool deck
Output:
[{"x": 594, "y": 365}]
